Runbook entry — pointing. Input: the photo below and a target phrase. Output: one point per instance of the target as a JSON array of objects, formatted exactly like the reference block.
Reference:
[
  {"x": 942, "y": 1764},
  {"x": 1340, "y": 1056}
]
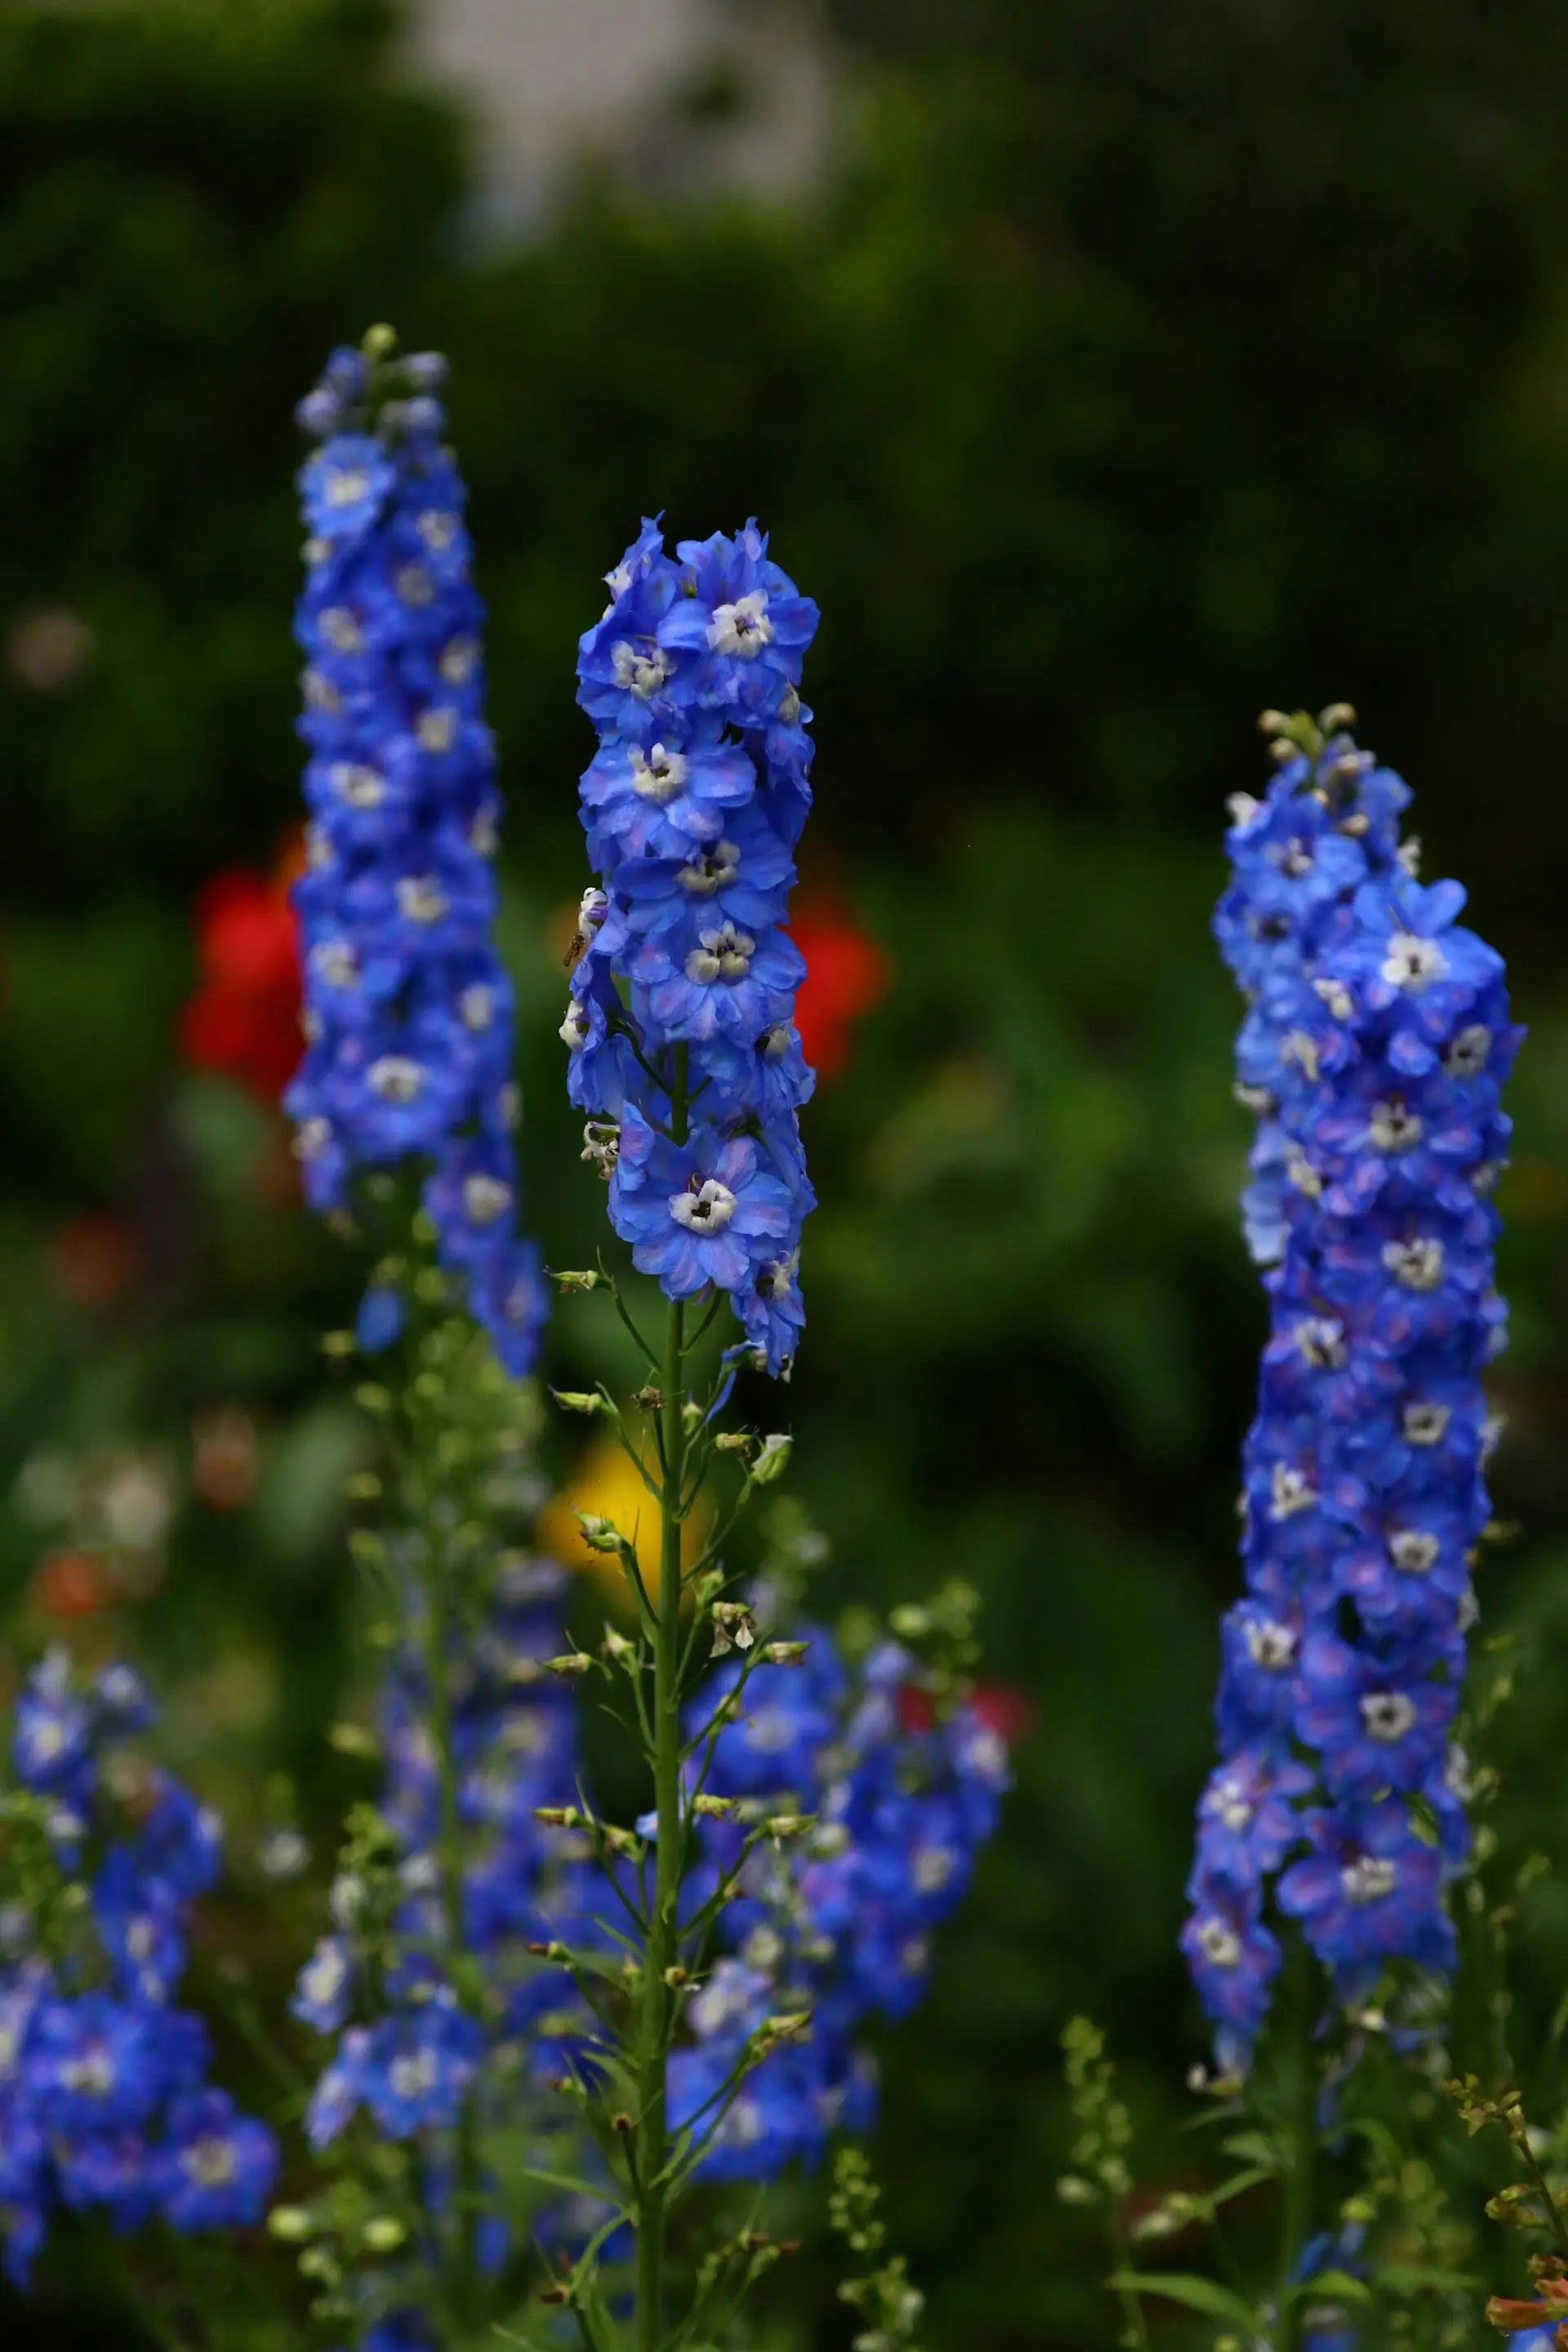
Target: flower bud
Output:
[
  {"x": 773, "y": 1460},
  {"x": 598, "y": 1533},
  {"x": 584, "y": 1401}
]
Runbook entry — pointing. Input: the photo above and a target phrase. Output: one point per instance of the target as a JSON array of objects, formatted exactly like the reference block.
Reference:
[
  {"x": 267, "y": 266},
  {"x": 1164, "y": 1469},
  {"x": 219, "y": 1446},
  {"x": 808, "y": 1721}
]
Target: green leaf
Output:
[
  {"x": 1192, "y": 2294},
  {"x": 1236, "y": 2186},
  {"x": 1331, "y": 2286}
]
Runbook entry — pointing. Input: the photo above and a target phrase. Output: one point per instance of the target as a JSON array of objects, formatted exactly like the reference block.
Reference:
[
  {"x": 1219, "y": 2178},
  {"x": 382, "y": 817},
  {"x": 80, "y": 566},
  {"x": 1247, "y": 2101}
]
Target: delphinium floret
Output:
[
  {"x": 1373, "y": 1050},
  {"x": 408, "y": 1011}
]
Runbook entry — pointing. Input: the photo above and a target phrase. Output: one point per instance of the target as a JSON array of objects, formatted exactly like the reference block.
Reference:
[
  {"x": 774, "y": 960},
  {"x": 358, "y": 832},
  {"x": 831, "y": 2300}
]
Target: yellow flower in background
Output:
[{"x": 604, "y": 1481}]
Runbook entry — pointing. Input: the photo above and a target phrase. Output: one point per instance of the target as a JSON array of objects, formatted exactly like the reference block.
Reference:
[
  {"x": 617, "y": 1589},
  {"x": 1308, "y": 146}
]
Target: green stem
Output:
[
  {"x": 1300, "y": 2151},
  {"x": 449, "y": 1866},
  {"x": 1135, "y": 2327},
  {"x": 1554, "y": 2214},
  {"x": 662, "y": 1948},
  {"x": 662, "y": 1939}
]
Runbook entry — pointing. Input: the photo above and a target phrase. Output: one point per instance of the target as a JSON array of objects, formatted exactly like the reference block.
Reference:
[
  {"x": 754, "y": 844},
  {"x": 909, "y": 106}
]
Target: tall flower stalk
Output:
[
  {"x": 408, "y": 1010},
  {"x": 1373, "y": 1050},
  {"x": 404, "y": 1107},
  {"x": 685, "y": 1054}
]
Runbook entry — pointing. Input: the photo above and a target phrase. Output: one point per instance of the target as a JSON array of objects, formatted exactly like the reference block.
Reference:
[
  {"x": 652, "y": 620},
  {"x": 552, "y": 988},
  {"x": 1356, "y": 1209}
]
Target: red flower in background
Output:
[
  {"x": 244, "y": 1019},
  {"x": 1001, "y": 1708},
  {"x": 847, "y": 973}
]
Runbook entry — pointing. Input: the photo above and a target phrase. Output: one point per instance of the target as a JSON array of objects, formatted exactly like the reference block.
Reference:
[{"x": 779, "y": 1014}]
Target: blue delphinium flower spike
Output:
[
  {"x": 1375, "y": 1044},
  {"x": 692, "y": 806},
  {"x": 408, "y": 1012}
]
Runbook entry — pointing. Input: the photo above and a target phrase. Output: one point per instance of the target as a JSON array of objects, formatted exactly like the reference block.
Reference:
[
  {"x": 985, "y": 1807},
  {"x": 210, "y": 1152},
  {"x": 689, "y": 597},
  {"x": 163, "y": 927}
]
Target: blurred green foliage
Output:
[{"x": 1130, "y": 373}]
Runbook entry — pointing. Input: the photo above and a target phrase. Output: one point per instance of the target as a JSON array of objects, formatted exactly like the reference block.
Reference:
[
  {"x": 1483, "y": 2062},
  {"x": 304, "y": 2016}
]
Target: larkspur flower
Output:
[
  {"x": 682, "y": 1004},
  {"x": 841, "y": 1923},
  {"x": 1373, "y": 1052},
  {"x": 408, "y": 1018},
  {"x": 105, "y": 2100}
]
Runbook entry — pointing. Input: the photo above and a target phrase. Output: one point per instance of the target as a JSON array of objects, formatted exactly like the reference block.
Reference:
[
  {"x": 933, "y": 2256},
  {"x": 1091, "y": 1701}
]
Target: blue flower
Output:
[
  {"x": 841, "y": 1923},
  {"x": 344, "y": 485},
  {"x": 97, "y": 2068},
  {"x": 1373, "y": 1052},
  {"x": 680, "y": 1027},
  {"x": 215, "y": 2167},
  {"x": 408, "y": 1014},
  {"x": 707, "y": 1212}
]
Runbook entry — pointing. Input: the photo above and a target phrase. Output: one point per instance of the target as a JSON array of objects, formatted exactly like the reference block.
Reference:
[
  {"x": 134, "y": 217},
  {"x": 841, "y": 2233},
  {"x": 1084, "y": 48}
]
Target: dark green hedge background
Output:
[{"x": 1133, "y": 369}]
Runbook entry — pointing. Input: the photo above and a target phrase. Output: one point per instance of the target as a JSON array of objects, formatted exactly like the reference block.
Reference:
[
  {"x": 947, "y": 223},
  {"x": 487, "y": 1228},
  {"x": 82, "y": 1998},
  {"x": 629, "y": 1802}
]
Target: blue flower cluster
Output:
[
  {"x": 408, "y": 1011},
  {"x": 410, "y": 2055},
  {"x": 840, "y": 1924},
  {"x": 681, "y": 1024},
  {"x": 105, "y": 2100},
  {"x": 1375, "y": 1043}
]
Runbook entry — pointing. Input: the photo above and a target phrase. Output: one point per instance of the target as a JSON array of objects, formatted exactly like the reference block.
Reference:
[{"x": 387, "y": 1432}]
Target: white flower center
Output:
[
  {"x": 361, "y": 787},
  {"x": 1412, "y": 962},
  {"x": 743, "y": 627},
  {"x": 1467, "y": 1057},
  {"x": 1392, "y": 1127},
  {"x": 93, "y": 2072},
  {"x": 638, "y": 671},
  {"x": 1321, "y": 1342},
  {"x": 457, "y": 660},
  {"x": 773, "y": 1042},
  {"x": 414, "y": 585},
  {"x": 395, "y": 1078},
  {"x": 1220, "y": 1945},
  {"x": 1297, "y": 1046},
  {"x": 1417, "y": 1266},
  {"x": 1414, "y": 1551},
  {"x": 1231, "y": 1806},
  {"x": 1271, "y": 1644},
  {"x": 476, "y": 1006},
  {"x": 421, "y": 899},
  {"x": 335, "y": 962},
  {"x": 438, "y": 529},
  {"x": 1425, "y": 1424},
  {"x": 660, "y": 774},
  {"x": 705, "y": 1208},
  {"x": 340, "y": 629},
  {"x": 573, "y": 1030},
  {"x": 211, "y": 2162},
  {"x": 484, "y": 1198},
  {"x": 1369, "y": 1879},
  {"x": 438, "y": 728},
  {"x": 1294, "y": 859},
  {"x": 774, "y": 1280},
  {"x": 311, "y": 1138},
  {"x": 934, "y": 1865},
  {"x": 345, "y": 484},
  {"x": 1336, "y": 997},
  {"x": 1387, "y": 1714},
  {"x": 1293, "y": 1491},
  {"x": 412, "y": 2075},
  {"x": 710, "y": 870},
  {"x": 1302, "y": 1173},
  {"x": 722, "y": 954}
]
